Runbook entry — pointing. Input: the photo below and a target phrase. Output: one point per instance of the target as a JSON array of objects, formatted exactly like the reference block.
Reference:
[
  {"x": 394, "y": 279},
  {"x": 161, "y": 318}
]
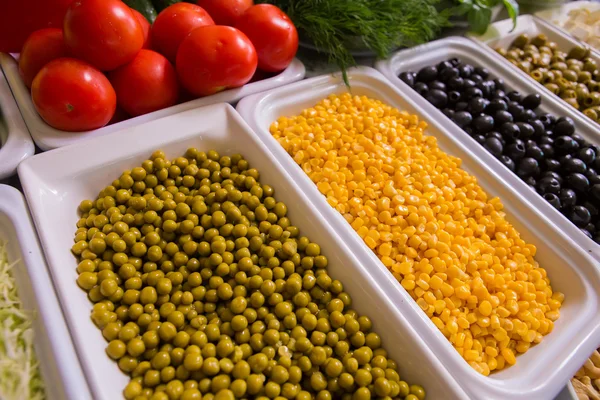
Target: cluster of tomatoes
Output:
[{"x": 108, "y": 57}]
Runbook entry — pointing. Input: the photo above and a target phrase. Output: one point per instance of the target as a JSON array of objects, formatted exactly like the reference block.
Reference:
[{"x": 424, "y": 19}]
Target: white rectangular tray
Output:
[
  {"x": 544, "y": 370},
  {"x": 557, "y": 16},
  {"x": 60, "y": 368},
  {"x": 55, "y": 183},
  {"x": 48, "y": 138},
  {"x": 500, "y": 34},
  {"x": 440, "y": 50},
  {"x": 15, "y": 142}
]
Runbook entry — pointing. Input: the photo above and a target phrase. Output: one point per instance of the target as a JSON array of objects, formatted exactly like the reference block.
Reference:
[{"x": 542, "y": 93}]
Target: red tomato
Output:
[
  {"x": 40, "y": 48},
  {"x": 173, "y": 24},
  {"x": 273, "y": 35},
  {"x": 146, "y": 84},
  {"x": 225, "y": 12},
  {"x": 214, "y": 58},
  {"x": 145, "y": 28},
  {"x": 71, "y": 95},
  {"x": 104, "y": 33},
  {"x": 20, "y": 18}
]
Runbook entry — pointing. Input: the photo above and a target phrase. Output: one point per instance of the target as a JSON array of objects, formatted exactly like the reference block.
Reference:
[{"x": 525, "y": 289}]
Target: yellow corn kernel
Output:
[{"x": 441, "y": 236}]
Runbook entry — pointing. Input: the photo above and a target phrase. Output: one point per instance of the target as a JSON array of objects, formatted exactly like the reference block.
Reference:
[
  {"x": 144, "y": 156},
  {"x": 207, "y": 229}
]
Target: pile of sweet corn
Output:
[{"x": 429, "y": 222}]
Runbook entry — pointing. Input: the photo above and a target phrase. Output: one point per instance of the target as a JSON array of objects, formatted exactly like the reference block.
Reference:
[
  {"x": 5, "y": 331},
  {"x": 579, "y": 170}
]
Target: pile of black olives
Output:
[{"x": 540, "y": 148}]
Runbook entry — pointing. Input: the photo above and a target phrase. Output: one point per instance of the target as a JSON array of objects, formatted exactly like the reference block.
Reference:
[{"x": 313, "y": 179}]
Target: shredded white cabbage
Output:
[{"x": 19, "y": 373}]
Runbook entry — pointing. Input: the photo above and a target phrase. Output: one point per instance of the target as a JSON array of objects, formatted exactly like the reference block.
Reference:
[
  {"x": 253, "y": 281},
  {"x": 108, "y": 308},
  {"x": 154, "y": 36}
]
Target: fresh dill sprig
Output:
[{"x": 381, "y": 25}]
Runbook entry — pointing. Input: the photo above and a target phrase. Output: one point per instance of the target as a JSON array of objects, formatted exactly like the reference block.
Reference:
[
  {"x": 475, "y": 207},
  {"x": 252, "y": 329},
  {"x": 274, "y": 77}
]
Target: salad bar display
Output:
[{"x": 428, "y": 230}]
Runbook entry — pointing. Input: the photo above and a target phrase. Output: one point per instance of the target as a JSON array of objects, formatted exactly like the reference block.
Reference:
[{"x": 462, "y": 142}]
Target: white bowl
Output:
[
  {"x": 59, "y": 365},
  {"x": 48, "y": 138},
  {"x": 544, "y": 370},
  {"x": 15, "y": 142},
  {"x": 55, "y": 183}
]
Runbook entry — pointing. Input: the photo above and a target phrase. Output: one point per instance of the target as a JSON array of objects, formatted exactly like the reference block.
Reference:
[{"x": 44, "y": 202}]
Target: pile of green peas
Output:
[
  {"x": 574, "y": 76},
  {"x": 204, "y": 289}
]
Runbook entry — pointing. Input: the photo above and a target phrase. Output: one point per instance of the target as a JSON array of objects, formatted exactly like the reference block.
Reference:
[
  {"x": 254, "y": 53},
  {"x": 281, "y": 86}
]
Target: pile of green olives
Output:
[
  {"x": 574, "y": 76},
  {"x": 204, "y": 289}
]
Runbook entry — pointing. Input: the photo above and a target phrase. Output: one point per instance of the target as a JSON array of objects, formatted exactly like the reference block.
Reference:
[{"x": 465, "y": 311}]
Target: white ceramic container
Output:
[
  {"x": 544, "y": 370},
  {"x": 15, "y": 142},
  {"x": 55, "y": 183},
  {"x": 434, "y": 52},
  {"x": 48, "y": 138},
  {"x": 60, "y": 367}
]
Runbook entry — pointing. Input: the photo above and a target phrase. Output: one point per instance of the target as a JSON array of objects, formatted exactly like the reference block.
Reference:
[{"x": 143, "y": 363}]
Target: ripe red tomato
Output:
[
  {"x": 145, "y": 28},
  {"x": 225, "y": 12},
  {"x": 104, "y": 33},
  {"x": 146, "y": 84},
  {"x": 71, "y": 95},
  {"x": 19, "y": 19},
  {"x": 273, "y": 35},
  {"x": 215, "y": 58},
  {"x": 174, "y": 23},
  {"x": 39, "y": 49}
]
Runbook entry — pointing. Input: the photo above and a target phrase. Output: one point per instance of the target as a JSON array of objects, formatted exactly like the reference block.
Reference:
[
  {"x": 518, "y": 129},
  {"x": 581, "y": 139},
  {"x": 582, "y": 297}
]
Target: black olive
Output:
[
  {"x": 587, "y": 155},
  {"x": 437, "y": 85},
  {"x": 480, "y": 139},
  {"x": 553, "y": 174},
  {"x": 591, "y": 174},
  {"x": 528, "y": 166},
  {"x": 548, "y": 150},
  {"x": 568, "y": 197},
  {"x": 548, "y": 184},
  {"x": 532, "y": 101},
  {"x": 596, "y": 163},
  {"x": 546, "y": 140},
  {"x": 455, "y": 83},
  {"x": 500, "y": 95},
  {"x": 526, "y": 116},
  {"x": 453, "y": 97},
  {"x": 448, "y": 73},
  {"x": 578, "y": 182},
  {"x": 538, "y": 128},
  {"x": 595, "y": 191},
  {"x": 591, "y": 228},
  {"x": 535, "y": 152},
  {"x": 445, "y": 64},
  {"x": 515, "y": 109},
  {"x": 586, "y": 233},
  {"x": 462, "y": 119},
  {"x": 497, "y": 105},
  {"x": 574, "y": 165},
  {"x": 508, "y": 162},
  {"x": 494, "y": 146},
  {"x": 593, "y": 209},
  {"x": 580, "y": 140},
  {"x": 427, "y": 74},
  {"x": 471, "y": 93},
  {"x": 461, "y": 106},
  {"x": 437, "y": 97},
  {"x": 465, "y": 70},
  {"x": 455, "y": 61},
  {"x": 553, "y": 200},
  {"x": 408, "y": 78},
  {"x": 469, "y": 130},
  {"x": 502, "y": 116},
  {"x": 566, "y": 144},
  {"x": 477, "y": 105},
  {"x": 421, "y": 88},
  {"x": 448, "y": 112},
  {"x": 510, "y": 130},
  {"x": 564, "y": 126},
  {"x": 515, "y": 96},
  {"x": 525, "y": 129},
  {"x": 499, "y": 83},
  {"x": 483, "y": 124},
  {"x": 530, "y": 180},
  {"x": 580, "y": 216},
  {"x": 551, "y": 163},
  {"x": 476, "y": 78},
  {"x": 483, "y": 72},
  {"x": 487, "y": 87},
  {"x": 547, "y": 119},
  {"x": 468, "y": 83}
]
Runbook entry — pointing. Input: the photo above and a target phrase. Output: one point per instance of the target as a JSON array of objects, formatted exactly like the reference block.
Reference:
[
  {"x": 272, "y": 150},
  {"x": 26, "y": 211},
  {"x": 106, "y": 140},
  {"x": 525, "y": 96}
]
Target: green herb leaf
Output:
[
  {"x": 513, "y": 11},
  {"x": 479, "y": 18}
]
